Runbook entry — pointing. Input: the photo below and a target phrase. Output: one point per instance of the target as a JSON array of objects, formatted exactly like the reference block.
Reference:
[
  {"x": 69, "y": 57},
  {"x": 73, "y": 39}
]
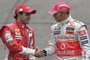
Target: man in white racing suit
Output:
[{"x": 69, "y": 37}]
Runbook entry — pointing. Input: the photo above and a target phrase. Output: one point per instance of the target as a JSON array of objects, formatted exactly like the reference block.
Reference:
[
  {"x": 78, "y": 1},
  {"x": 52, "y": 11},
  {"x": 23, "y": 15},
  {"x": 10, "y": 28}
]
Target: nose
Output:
[{"x": 29, "y": 16}]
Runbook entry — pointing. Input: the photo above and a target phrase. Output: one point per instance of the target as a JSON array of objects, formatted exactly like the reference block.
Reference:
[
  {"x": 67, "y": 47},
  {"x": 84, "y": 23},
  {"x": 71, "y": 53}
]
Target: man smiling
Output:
[{"x": 18, "y": 37}]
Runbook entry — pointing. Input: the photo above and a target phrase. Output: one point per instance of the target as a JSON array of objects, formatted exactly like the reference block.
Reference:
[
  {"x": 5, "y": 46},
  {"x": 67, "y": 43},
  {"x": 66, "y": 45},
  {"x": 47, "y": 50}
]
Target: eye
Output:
[
  {"x": 27, "y": 14},
  {"x": 60, "y": 13}
]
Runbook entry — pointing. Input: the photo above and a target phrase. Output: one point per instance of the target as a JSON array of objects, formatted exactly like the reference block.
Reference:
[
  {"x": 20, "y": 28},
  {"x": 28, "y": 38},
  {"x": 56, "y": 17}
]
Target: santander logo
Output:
[{"x": 65, "y": 37}]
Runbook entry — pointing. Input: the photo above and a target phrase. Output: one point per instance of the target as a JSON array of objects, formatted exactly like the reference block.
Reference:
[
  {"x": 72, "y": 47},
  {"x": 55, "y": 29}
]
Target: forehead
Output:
[
  {"x": 26, "y": 14},
  {"x": 59, "y": 13}
]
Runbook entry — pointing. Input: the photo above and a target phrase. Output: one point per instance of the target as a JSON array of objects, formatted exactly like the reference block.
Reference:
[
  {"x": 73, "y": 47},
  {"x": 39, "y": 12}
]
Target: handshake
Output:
[{"x": 40, "y": 53}]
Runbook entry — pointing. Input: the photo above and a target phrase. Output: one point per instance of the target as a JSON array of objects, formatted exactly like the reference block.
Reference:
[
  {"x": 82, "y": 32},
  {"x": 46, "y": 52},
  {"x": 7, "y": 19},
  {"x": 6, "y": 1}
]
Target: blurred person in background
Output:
[
  {"x": 69, "y": 37},
  {"x": 18, "y": 37}
]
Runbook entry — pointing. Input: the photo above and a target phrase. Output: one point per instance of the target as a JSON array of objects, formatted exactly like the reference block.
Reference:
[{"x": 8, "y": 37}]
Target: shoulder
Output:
[
  {"x": 4, "y": 28},
  {"x": 7, "y": 26},
  {"x": 30, "y": 28},
  {"x": 54, "y": 26},
  {"x": 76, "y": 23}
]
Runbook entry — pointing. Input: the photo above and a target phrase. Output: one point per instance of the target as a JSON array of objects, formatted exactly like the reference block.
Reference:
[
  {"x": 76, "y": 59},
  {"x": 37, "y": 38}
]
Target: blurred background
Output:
[{"x": 42, "y": 20}]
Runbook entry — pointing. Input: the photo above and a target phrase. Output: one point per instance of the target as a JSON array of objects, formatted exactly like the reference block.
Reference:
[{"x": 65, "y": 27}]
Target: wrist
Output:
[
  {"x": 44, "y": 51},
  {"x": 27, "y": 51}
]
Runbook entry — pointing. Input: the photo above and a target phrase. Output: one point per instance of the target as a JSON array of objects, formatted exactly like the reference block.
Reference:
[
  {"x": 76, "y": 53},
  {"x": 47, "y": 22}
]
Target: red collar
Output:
[{"x": 20, "y": 25}]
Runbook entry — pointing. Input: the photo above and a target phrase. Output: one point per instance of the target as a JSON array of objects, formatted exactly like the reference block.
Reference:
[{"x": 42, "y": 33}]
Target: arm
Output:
[
  {"x": 51, "y": 44},
  {"x": 48, "y": 50},
  {"x": 31, "y": 42},
  {"x": 84, "y": 42},
  {"x": 51, "y": 47},
  {"x": 11, "y": 43}
]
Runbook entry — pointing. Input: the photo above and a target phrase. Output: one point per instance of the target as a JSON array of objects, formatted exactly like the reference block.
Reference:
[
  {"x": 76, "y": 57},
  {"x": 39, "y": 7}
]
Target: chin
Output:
[{"x": 27, "y": 23}]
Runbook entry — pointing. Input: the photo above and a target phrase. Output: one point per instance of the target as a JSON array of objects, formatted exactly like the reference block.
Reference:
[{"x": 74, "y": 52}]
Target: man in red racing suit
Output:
[{"x": 18, "y": 37}]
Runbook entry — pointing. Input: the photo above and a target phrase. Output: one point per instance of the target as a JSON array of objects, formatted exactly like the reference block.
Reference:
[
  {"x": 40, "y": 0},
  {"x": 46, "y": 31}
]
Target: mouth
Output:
[{"x": 28, "y": 19}]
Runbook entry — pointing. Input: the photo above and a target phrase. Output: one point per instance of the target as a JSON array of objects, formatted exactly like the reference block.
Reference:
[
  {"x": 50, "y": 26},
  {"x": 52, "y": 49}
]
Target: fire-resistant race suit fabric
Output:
[
  {"x": 69, "y": 40},
  {"x": 20, "y": 41}
]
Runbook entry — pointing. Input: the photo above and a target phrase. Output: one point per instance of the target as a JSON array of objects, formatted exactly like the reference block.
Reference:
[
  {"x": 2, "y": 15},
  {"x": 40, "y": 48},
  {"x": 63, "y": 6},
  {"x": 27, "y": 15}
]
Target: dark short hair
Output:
[
  {"x": 67, "y": 13},
  {"x": 17, "y": 15}
]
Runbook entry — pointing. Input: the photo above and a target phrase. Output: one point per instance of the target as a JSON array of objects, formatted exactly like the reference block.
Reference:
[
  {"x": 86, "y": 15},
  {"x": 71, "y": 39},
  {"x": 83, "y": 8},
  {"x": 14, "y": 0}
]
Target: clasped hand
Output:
[{"x": 39, "y": 53}]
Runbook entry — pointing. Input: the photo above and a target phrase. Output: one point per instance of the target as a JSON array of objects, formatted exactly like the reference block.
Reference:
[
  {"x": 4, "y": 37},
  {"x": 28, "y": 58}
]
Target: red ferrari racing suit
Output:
[
  {"x": 69, "y": 40},
  {"x": 19, "y": 39}
]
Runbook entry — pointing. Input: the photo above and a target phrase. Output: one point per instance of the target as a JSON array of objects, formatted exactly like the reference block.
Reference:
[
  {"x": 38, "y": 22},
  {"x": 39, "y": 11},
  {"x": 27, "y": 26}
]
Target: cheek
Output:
[
  {"x": 24, "y": 17},
  {"x": 56, "y": 16}
]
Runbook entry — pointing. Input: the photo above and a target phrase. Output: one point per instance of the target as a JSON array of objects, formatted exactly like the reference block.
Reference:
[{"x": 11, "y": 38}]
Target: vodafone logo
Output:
[{"x": 63, "y": 46}]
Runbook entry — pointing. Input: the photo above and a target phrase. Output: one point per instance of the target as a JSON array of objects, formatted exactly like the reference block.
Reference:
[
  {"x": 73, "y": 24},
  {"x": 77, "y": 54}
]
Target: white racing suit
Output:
[{"x": 69, "y": 40}]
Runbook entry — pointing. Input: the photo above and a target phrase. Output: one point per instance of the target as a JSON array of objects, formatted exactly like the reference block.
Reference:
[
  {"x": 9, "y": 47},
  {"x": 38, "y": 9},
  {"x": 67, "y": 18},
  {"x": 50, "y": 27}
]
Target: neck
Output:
[{"x": 20, "y": 22}]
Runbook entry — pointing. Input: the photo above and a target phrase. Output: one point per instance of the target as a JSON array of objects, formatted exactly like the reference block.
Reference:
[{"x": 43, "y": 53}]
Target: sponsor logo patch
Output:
[
  {"x": 70, "y": 30},
  {"x": 18, "y": 34},
  {"x": 83, "y": 37},
  {"x": 29, "y": 33},
  {"x": 82, "y": 32},
  {"x": 65, "y": 38},
  {"x": 8, "y": 37},
  {"x": 66, "y": 52},
  {"x": 56, "y": 32},
  {"x": 71, "y": 24},
  {"x": 84, "y": 42},
  {"x": 17, "y": 31}
]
